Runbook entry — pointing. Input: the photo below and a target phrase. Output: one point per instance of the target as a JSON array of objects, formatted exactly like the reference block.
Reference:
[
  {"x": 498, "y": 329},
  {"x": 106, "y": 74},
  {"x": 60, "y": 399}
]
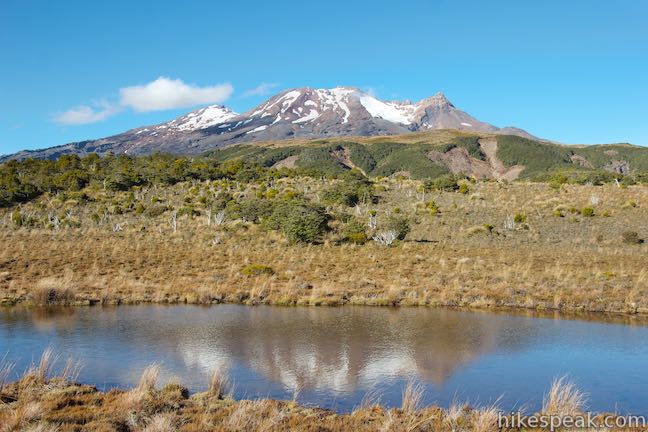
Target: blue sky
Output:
[{"x": 574, "y": 71}]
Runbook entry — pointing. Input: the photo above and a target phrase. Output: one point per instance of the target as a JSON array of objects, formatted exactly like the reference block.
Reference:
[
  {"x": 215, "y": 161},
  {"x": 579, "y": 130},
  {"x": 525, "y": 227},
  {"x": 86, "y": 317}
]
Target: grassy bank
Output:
[
  {"x": 39, "y": 402},
  {"x": 520, "y": 245}
]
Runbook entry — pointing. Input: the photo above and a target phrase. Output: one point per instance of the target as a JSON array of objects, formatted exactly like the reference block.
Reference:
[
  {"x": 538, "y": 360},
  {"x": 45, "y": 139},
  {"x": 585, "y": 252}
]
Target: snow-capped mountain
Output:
[{"x": 303, "y": 112}]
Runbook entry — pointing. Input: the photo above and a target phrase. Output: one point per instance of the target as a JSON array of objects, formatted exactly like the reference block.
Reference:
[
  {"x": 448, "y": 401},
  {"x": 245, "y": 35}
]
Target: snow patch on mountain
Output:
[
  {"x": 202, "y": 118},
  {"x": 396, "y": 113}
]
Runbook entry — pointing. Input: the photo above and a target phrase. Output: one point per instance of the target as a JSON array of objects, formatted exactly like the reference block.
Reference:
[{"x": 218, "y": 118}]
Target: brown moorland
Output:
[{"x": 489, "y": 245}]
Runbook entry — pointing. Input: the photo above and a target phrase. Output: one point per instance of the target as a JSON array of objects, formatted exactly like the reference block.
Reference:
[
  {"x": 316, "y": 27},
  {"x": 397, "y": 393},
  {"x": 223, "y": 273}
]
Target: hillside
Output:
[{"x": 435, "y": 153}]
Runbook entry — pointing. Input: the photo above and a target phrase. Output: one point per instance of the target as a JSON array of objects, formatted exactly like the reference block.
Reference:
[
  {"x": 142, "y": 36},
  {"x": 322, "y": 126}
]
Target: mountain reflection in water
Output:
[{"x": 332, "y": 356}]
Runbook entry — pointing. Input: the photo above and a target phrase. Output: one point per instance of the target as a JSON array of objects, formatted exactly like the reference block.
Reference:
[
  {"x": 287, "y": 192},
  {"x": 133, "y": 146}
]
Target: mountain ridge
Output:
[{"x": 300, "y": 112}]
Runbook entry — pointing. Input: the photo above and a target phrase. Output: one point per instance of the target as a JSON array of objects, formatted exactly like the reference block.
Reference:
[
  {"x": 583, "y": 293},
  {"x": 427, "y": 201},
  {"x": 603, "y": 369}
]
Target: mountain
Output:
[{"x": 303, "y": 112}]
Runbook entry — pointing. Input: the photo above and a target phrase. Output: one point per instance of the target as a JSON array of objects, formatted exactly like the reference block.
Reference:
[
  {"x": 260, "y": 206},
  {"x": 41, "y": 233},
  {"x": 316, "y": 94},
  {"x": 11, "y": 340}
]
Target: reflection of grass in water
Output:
[{"x": 40, "y": 402}]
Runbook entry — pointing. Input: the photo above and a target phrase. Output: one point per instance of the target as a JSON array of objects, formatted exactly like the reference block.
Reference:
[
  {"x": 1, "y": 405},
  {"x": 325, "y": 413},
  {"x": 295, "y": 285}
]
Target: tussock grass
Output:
[
  {"x": 6, "y": 369},
  {"x": 564, "y": 398},
  {"x": 463, "y": 256},
  {"x": 81, "y": 407},
  {"x": 219, "y": 385}
]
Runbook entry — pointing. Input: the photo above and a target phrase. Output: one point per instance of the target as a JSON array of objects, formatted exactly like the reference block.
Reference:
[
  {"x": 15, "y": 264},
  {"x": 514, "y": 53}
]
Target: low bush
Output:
[
  {"x": 398, "y": 225},
  {"x": 299, "y": 221},
  {"x": 587, "y": 212},
  {"x": 256, "y": 270},
  {"x": 348, "y": 193},
  {"x": 432, "y": 207},
  {"x": 631, "y": 237},
  {"x": 354, "y": 232}
]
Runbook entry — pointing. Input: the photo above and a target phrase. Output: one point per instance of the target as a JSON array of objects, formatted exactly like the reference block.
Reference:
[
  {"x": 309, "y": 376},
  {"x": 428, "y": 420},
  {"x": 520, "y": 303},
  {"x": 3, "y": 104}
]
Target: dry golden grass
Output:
[
  {"x": 564, "y": 398},
  {"x": 56, "y": 404},
  {"x": 571, "y": 263}
]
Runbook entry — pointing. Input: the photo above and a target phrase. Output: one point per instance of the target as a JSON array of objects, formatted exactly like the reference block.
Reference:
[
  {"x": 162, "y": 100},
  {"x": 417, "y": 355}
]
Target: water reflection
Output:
[{"x": 328, "y": 353}]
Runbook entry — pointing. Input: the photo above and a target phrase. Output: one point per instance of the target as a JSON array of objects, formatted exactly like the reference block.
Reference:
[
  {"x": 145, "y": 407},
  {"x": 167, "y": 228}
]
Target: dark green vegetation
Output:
[
  {"x": 558, "y": 164},
  {"x": 541, "y": 161}
]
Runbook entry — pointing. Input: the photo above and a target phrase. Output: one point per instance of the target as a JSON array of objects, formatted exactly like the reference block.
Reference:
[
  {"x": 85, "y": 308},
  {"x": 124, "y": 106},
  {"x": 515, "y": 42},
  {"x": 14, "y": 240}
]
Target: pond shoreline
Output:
[
  {"x": 574, "y": 312},
  {"x": 38, "y": 401}
]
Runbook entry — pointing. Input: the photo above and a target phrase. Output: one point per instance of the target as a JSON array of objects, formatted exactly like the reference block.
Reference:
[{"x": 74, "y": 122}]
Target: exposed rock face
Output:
[
  {"x": 618, "y": 166},
  {"x": 303, "y": 112},
  {"x": 580, "y": 161},
  {"x": 459, "y": 161}
]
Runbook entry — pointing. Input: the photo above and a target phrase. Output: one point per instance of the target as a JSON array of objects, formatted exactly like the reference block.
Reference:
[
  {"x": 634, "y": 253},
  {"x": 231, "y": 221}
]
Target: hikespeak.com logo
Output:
[{"x": 519, "y": 421}]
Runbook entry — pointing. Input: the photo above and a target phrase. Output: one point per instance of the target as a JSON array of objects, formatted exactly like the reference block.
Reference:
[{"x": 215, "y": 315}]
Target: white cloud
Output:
[
  {"x": 84, "y": 114},
  {"x": 161, "y": 94},
  {"x": 165, "y": 93},
  {"x": 260, "y": 90}
]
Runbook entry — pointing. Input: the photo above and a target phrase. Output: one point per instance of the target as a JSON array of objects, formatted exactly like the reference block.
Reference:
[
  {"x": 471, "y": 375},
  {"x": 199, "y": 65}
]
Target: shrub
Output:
[
  {"x": 357, "y": 238},
  {"x": 155, "y": 211},
  {"x": 631, "y": 237},
  {"x": 139, "y": 209},
  {"x": 446, "y": 183},
  {"x": 354, "y": 232},
  {"x": 348, "y": 193},
  {"x": 432, "y": 207},
  {"x": 300, "y": 222},
  {"x": 520, "y": 218},
  {"x": 463, "y": 188},
  {"x": 398, "y": 225},
  {"x": 254, "y": 210},
  {"x": 189, "y": 211},
  {"x": 587, "y": 212},
  {"x": 256, "y": 270},
  {"x": 16, "y": 218},
  {"x": 385, "y": 238}
]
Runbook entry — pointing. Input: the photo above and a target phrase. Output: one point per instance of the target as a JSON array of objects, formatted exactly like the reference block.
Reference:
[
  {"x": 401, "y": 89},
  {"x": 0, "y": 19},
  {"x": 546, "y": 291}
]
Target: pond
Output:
[{"x": 333, "y": 357}]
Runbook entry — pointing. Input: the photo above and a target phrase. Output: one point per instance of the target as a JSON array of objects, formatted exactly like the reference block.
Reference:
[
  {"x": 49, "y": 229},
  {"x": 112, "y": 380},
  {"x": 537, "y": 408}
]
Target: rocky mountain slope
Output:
[{"x": 303, "y": 112}]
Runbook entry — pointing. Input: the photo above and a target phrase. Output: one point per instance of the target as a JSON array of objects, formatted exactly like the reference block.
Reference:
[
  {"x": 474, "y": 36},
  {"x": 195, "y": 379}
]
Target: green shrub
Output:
[
  {"x": 463, "y": 188},
  {"x": 255, "y": 210},
  {"x": 139, "y": 209},
  {"x": 399, "y": 225},
  {"x": 348, "y": 193},
  {"x": 256, "y": 270},
  {"x": 432, "y": 207},
  {"x": 520, "y": 218},
  {"x": 155, "y": 211},
  {"x": 587, "y": 211},
  {"x": 357, "y": 238},
  {"x": 299, "y": 221},
  {"x": 354, "y": 232},
  {"x": 447, "y": 183},
  {"x": 17, "y": 218},
  {"x": 189, "y": 211}
]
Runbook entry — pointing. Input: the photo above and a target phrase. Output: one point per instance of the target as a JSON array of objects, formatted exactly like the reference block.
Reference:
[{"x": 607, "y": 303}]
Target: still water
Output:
[{"x": 334, "y": 356}]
